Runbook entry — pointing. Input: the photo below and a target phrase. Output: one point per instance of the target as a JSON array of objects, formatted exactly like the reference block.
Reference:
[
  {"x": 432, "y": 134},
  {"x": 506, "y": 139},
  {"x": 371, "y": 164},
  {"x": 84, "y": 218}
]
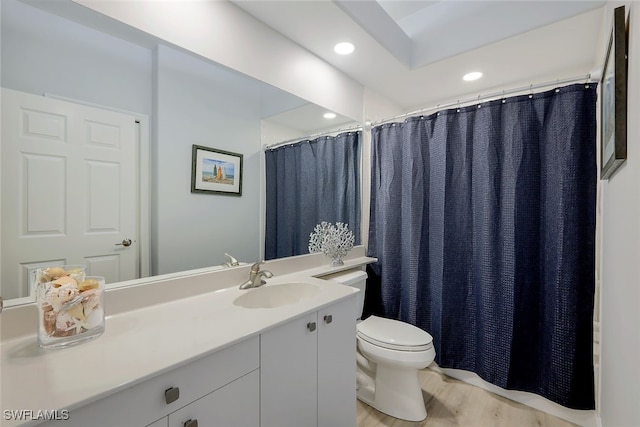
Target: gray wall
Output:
[
  {"x": 620, "y": 270},
  {"x": 43, "y": 53},
  {"x": 189, "y": 100},
  {"x": 201, "y": 103}
]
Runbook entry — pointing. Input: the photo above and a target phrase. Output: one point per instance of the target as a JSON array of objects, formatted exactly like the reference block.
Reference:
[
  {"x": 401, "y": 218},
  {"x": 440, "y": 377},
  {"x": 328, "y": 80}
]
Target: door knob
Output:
[
  {"x": 125, "y": 243},
  {"x": 328, "y": 318},
  {"x": 311, "y": 326}
]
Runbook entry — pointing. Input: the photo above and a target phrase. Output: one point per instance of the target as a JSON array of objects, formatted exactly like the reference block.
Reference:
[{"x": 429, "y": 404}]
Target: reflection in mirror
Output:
[
  {"x": 167, "y": 100},
  {"x": 306, "y": 121}
]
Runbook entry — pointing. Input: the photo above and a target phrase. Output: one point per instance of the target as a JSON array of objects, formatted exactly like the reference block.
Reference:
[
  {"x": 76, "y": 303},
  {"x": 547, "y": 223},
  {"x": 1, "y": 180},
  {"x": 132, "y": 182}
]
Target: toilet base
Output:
[{"x": 394, "y": 391}]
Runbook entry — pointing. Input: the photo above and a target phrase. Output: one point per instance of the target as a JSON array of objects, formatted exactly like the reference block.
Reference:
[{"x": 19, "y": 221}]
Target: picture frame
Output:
[
  {"x": 216, "y": 171},
  {"x": 613, "y": 90}
]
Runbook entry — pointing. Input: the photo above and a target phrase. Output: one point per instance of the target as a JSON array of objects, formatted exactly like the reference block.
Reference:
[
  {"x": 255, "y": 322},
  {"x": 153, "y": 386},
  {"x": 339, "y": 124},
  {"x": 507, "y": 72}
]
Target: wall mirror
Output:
[{"x": 178, "y": 99}]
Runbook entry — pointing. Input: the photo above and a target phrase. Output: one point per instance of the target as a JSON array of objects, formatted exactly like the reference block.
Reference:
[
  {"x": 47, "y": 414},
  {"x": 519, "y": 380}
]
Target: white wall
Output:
[
  {"x": 222, "y": 32},
  {"x": 200, "y": 103},
  {"x": 43, "y": 53},
  {"x": 620, "y": 274}
]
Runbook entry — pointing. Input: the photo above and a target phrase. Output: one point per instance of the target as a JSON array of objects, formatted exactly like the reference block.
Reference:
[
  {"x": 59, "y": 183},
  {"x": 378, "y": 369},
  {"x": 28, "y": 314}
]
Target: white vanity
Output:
[{"x": 187, "y": 352}]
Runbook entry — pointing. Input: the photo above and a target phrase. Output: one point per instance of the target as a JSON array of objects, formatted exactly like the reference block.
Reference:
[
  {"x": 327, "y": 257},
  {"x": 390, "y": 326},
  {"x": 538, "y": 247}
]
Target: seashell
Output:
[
  {"x": 88, "y": 284},
  {"x": 90, "y": 302},
  {"x": 89, "y": 293},
  {"x": 77, "y": 311},
  {"x": 58, "y": 296},
  {"x": 44, "y": 278},
  {"x": 55, "y": 272},
  {"x": 76, "y": 272},
  {"x": 64, "y": 321},
  {"x": 49, "y": 322},
  {"x": 64, "y": 280},
  {"x": 94, "y": 319}
]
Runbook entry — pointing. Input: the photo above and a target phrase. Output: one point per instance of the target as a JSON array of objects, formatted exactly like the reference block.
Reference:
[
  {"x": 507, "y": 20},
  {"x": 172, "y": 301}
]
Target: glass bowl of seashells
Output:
[{"x": 70, "y": 306}]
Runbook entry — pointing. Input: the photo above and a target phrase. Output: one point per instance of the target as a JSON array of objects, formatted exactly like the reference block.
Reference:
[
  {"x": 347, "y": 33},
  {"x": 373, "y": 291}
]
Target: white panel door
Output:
[{"x": 69, "y": 189}]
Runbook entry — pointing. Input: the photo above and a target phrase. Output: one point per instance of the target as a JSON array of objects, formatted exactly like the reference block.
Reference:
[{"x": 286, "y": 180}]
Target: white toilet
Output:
[{"x": 389, "y": 355}]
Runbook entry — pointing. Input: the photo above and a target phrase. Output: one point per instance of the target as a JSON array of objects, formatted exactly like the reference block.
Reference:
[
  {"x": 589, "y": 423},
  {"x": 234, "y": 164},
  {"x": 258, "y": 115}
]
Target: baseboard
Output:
[{"x": 581, "y": 418}]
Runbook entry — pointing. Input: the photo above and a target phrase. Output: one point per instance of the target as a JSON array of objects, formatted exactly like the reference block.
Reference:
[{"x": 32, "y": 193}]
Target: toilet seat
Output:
[{"x": 394, "y": 334}]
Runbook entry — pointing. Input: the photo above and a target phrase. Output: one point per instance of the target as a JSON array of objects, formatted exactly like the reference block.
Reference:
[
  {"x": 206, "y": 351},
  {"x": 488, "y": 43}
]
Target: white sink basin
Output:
[{"x": 271, "y": 296}]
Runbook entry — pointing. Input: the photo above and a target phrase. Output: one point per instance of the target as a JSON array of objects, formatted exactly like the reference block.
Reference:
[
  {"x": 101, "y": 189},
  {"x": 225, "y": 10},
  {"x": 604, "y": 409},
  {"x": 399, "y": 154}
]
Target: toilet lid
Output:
[{"x": 394, "y": 334}]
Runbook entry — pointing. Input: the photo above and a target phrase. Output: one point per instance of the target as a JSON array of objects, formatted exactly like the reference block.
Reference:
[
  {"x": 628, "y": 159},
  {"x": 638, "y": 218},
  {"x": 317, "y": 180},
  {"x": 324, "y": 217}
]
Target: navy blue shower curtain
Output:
[
  {"x": 309, "y": 182},
  {"x": 483, "y": 223}
]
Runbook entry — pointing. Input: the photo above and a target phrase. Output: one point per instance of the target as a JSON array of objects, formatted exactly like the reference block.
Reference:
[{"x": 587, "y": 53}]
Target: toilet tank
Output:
[{"x": 353, "y": 278}]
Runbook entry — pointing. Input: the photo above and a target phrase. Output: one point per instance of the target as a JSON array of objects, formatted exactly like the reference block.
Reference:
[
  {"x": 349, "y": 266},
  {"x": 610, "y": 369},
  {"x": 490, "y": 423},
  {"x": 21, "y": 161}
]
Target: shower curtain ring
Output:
[{"x": 531, "y": 91}]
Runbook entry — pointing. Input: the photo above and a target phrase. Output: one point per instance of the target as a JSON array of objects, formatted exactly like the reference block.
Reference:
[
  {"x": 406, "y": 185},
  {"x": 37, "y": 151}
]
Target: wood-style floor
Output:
[{"x": 454, "y": 403}]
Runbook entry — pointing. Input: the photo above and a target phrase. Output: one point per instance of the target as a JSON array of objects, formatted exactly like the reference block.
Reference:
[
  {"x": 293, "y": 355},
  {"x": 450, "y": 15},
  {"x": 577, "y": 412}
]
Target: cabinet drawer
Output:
[
  {"x": 234, "y": 405},
  {"x": 202, "y": 376},
  {"x": 145, "y": 403},
  {"x": 163, "y": 422}
]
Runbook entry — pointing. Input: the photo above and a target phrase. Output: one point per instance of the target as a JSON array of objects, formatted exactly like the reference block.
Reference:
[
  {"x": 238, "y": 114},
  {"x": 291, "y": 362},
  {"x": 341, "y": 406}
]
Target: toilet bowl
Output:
[
  {"x": 393, "y": 352},
  {"x": 389, "y": 355}
]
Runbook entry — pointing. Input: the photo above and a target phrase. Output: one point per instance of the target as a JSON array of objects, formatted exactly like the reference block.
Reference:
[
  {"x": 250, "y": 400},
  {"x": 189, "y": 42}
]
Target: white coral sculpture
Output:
[{"x": 335, "y": 241}]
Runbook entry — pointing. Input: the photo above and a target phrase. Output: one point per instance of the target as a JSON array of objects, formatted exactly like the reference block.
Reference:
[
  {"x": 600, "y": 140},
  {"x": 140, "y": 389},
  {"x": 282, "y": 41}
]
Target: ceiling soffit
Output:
[{"x": 418, "y": 33}]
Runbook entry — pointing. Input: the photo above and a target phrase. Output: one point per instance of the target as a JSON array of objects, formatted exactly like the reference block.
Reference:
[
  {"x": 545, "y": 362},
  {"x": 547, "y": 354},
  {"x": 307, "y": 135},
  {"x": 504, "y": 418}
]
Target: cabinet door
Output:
[
  {"x": 162, "y": 422},
  {"x": 337, "y": 364},
  {"x": 288, "y": 382},
  {"x": 235, "y": 405}
]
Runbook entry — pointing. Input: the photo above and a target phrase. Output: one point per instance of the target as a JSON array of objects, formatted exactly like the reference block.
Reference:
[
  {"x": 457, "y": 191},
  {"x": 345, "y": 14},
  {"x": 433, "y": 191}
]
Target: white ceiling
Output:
[{"x": 414, "y": 53}]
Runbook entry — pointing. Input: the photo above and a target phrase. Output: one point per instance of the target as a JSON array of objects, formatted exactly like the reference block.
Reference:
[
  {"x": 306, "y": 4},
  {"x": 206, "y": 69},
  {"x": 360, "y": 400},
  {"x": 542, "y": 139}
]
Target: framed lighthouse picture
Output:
[{"x": 216, "y": 171}]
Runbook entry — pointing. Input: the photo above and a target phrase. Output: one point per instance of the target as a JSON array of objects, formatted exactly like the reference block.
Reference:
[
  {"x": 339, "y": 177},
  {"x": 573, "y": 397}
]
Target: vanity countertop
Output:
[{"x": 142, "y": 343}]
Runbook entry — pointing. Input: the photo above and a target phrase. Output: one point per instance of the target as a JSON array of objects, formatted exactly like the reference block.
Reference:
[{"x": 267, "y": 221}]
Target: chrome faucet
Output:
[
  {"x": 232, "y": 261},
  {"x": 256, "y": 276}
]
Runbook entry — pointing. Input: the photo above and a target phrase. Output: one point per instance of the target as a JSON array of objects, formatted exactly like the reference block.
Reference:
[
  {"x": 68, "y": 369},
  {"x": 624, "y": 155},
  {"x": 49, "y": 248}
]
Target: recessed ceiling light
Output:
[
  {"x": 475, "y": 75},
  {"x": 344, "y": 48},
  {"x": 329, "y": 115}
]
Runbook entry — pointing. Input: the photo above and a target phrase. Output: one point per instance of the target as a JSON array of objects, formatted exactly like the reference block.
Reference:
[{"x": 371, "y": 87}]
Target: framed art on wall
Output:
[
  {"x": 216, "y": 171},
  {"x": 613, "y": 90}
]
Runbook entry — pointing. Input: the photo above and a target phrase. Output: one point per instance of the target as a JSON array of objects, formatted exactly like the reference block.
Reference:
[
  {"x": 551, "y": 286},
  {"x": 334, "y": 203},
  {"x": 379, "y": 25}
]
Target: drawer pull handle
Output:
[
  {"x": 311, "y": 326},
  {"x": 171, "y": 394},
  {"x": 328, "y": 318},
  {"x": 191, "y": 423}
]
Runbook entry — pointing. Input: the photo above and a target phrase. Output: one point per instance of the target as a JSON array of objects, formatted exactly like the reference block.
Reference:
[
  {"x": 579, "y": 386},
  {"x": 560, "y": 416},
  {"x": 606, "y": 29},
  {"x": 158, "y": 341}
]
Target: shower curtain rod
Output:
[
  {"x": 586, "y": 78},
  {"x": 315, "y": 135}
]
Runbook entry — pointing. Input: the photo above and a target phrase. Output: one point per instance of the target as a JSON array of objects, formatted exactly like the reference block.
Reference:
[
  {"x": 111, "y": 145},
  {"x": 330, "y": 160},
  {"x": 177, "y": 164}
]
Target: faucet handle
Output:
[
  {"x": 256, "y": 266},
  {"x": 232, "y": 261}
]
